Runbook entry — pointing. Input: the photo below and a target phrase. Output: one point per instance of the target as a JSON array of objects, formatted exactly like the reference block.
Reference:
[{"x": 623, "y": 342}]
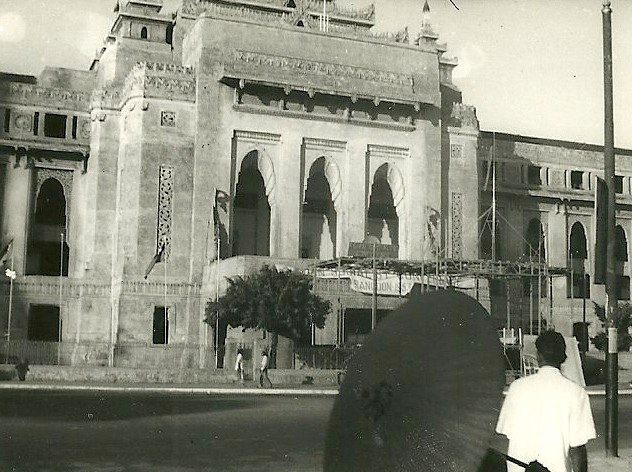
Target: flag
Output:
[
  {"x": 4, "y": 255},
  {"x": 158, "y": 257}
]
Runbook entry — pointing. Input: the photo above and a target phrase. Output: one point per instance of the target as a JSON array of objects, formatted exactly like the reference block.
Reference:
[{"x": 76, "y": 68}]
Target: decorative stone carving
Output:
[
  {"x": 379, "y": 150},
  {"x": 456, "y": 151},
  {"x": 34, "y": 94},
  {"x": 402, "y": 36},
  {"x": 264, "y": 163},
  {"x": 23, "y": 122},
  {"x": 257, "y": 136},
  {"x": 85, "y": 129},
  {"x": 457, "y": 230},
  {"x": 317, "y": 143},
  {"x": 165, "y": 209},
  {"x": 304, "y": 66},
  {"x": 464, "y": 115},
  {"x": 64, "y": 177},
  {"x": 168, "y": 118},
  {"x": 160, "y": 80}
]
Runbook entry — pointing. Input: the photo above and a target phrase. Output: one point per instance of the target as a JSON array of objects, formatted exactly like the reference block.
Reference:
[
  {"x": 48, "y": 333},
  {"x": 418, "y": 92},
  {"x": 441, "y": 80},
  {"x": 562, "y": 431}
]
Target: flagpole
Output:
[
  {"x": 61, "y": 272},
  {"x": 11, "y": 277},
  {"x": 165, "y": 290},
  {"x": 216, "y": 341}
]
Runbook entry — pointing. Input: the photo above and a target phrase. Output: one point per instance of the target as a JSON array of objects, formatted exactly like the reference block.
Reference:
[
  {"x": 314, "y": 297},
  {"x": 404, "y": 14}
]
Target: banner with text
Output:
[{"x": 385, "y": 285}]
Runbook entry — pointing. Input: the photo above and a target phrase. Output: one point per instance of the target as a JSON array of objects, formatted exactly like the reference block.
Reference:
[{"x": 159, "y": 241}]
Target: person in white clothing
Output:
[
  {"x": 547, "y": 417},
  {"x": 239, "y": 365}
]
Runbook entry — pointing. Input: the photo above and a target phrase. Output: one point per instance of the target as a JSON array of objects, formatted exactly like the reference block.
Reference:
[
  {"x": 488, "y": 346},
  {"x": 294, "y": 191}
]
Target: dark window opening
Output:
[
  {"x": 618, "y": 184},
  {"x": 36, "y": 124},
  {"x": 54, "y": 125},
  {"x": 577, "y": 179},
  {"x": 169, "y": 35},
  {"x": 580, "y": 286},
  {"x": 621, "y": 245},
  {"x": 357, "y": 324},
  {"x": 46, "y": 255},
  {"x": 623, "y": 287},
  {"x": 160, "y": 328},
  {"x": 535, "y": 245},
  {"x": 74, "y": 127},
  {"x": 143, "y": 33},
  {"x": 7, "y": 119},
  {"x": 300, "y": 24},
  {"x": 290, "y": 4},
  {"x": 578, "y": 245},
  {"x": 533, "y": 175},
  {"x": 43, "y": 323}
]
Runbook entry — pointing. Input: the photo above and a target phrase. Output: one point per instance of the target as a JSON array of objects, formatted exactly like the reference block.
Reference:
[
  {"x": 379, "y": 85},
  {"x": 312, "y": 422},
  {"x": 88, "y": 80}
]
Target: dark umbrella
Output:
[{"x": 423, "y": 393}]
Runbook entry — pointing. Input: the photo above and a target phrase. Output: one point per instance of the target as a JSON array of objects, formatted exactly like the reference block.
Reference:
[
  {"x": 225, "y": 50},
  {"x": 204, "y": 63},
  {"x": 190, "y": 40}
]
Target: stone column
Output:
[
  {"x": 16, "y": 209},
  {"x": 356, "y": 190}
]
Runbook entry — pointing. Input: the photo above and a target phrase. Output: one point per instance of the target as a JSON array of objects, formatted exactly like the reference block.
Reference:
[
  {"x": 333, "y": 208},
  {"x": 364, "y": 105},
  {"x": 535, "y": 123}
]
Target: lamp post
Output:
[
  {"x": 12, "y": 275},
  {"x": 612, "y": 360}
]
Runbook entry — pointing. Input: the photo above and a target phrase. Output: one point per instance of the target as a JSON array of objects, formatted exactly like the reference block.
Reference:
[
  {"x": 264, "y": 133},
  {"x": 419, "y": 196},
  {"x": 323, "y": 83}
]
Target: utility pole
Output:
[{"x": 612, "y": 361}]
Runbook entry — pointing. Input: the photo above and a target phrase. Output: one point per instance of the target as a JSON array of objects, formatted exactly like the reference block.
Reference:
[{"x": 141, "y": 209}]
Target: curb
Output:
[{"x": 173, "y": 390}]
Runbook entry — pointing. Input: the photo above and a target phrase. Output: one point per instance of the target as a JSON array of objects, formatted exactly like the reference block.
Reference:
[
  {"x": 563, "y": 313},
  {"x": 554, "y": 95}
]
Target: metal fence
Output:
[{"x": 323, "y": 357}]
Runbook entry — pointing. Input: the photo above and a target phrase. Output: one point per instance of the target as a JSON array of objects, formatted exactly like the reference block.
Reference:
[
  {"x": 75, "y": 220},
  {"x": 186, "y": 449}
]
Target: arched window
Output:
[
  {"x": 577, "y": 246},
  {"x": 251, "y": 234},
  {"x": 300, "y": 24},
  {"x": 45, "y": 253},
  {"x": 143, "y": 32},
  {"x": 318, "y": 231},
  {"x": 621, "y": 242},
  {"x": 382, "y": 220},
  {"x": 290, "y": 4},
  {"x": 579, "y": 286}
]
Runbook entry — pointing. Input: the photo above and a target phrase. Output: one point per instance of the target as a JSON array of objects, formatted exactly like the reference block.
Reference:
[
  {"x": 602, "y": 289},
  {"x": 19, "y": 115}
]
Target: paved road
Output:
[{"x": 47, "y": 431}]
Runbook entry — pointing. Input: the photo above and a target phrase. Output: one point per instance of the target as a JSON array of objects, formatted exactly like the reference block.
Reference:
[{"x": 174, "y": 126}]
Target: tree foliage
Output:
[
  {"x": 622, "y": 323},
  {"x": 278, "y": 301}
]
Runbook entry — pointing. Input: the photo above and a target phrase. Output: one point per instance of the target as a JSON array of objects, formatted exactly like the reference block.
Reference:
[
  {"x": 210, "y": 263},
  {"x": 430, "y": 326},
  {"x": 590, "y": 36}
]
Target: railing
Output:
[
  {"x": 323, "y": 357},
  {"x": 170, "y": 356}
]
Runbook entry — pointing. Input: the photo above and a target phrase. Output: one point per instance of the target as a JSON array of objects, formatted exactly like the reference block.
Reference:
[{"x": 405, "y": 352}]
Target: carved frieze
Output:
[
  {"x": 321, "y": 68},
  {"x": 35, "y": 95},
  {"x": 85, "y": 129},
  {"x": 165, "y": 210},
  {"x": 151, "y": 79},
  {"x": 257, "y": 136},
  {"x": 329, "y": 144},
  {"x": 379, "y": 150},
  {"x": 457, "y": 220}
]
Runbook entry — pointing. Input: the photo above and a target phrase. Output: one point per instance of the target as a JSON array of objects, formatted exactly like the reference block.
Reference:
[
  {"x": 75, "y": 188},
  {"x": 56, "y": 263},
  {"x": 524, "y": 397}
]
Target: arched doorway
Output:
[
  {"x": 46, "y": 255},
  {"x": 251, "y": 233},
  {"x": 579, "y": 287},
  {"x": 382, "y": 219},
  {"x": 319, "y": 218}
]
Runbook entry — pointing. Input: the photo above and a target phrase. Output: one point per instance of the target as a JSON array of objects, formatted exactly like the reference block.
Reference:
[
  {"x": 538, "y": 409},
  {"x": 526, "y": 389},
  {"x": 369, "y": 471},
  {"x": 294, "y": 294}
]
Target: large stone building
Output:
[{"x": 282, "y": 128}]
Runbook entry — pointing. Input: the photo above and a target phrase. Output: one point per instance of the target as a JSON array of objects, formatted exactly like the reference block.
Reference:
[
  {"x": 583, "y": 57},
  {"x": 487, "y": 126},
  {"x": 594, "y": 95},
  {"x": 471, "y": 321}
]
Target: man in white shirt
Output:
[
  {"x": 264, "y": 380},
  {"x": 547, "y": 417}
]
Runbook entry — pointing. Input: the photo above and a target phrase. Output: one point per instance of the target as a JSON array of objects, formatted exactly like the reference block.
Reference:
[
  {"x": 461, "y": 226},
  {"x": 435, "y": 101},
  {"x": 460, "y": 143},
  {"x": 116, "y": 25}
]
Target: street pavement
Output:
[{"x": 108, "y": 431}]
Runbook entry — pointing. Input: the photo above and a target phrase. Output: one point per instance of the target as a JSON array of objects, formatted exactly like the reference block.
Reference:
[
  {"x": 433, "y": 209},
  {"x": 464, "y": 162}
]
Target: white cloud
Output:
[
  {"x": 90, "y": 36},
  {"x": 471, "y": 57},
  {"x": 12, "y": 28}
]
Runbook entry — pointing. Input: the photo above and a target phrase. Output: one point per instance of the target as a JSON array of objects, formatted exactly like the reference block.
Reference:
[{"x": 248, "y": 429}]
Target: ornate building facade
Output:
[{"x": 310, "y": 143}]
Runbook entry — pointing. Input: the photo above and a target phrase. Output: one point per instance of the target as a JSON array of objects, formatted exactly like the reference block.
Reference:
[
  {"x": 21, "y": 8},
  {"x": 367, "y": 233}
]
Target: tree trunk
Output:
[{"x": 274, "y": 342}]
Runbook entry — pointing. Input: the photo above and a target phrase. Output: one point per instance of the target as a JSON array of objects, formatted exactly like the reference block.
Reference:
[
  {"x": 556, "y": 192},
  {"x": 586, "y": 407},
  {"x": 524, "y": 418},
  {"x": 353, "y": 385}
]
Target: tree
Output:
[
  {"x": 278, "y": 301},
  {"x": 622, "y": 323}
]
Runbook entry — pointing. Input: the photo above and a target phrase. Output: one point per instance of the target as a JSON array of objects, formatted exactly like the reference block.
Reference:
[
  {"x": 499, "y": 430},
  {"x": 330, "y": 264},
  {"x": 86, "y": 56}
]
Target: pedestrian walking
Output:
[
  {"x": 239, "y": 365},
  {"x": 264, "y": 380},
  {"x": 22, "y": 368},
  {"x": 546, "y": 416}
]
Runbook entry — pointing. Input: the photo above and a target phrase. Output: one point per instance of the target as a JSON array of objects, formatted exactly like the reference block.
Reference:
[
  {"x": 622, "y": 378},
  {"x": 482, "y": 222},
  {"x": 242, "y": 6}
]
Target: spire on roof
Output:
[{"x": 425, "y": 20}]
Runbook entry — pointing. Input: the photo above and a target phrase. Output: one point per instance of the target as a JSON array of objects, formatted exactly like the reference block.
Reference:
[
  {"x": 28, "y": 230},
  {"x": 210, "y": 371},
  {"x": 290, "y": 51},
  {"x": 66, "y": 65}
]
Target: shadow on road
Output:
[{"x": 57, "y": 406}]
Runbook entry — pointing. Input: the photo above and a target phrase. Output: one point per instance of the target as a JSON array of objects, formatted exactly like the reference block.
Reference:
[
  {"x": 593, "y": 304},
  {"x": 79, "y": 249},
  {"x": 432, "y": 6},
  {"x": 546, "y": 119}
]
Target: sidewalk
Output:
[
  {"x": 177, "y": 389},
  {"x": 598, "y": 462},
  {"x": 249, "y": 388}
]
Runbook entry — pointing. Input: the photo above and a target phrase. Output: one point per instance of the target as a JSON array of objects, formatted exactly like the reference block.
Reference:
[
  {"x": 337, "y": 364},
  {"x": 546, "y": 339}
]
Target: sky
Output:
[{"x": 531, "y": 67}]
